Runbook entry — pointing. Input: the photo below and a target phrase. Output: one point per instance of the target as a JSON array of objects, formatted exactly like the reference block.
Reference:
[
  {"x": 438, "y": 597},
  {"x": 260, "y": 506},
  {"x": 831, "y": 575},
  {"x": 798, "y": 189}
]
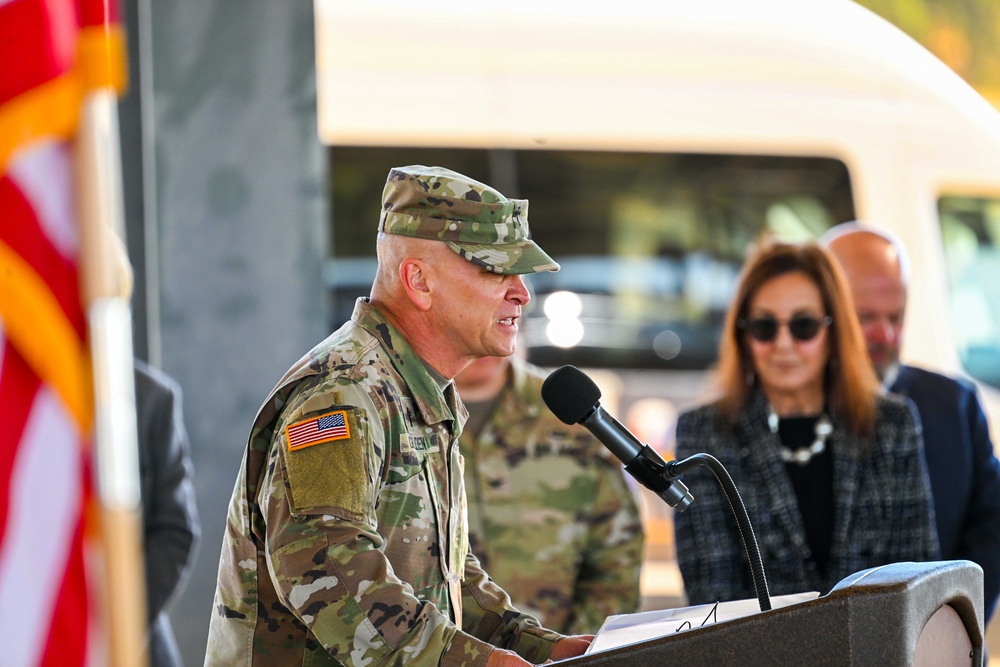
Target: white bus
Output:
[{"x": 655, "y": 141}]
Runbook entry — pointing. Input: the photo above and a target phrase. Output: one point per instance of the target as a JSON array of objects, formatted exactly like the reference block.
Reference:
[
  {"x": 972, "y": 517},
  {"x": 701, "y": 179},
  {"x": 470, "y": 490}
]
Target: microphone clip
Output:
[{"x": 655, "y": 474}]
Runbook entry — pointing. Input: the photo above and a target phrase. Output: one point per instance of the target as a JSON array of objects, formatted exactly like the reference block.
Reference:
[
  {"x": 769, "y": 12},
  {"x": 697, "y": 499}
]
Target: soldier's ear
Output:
[{"x": 413, "y": 275}]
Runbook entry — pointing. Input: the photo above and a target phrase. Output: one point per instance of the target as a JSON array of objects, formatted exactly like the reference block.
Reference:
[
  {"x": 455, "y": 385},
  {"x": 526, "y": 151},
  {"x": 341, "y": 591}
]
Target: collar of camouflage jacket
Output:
[{"x": 430, "y": 399}]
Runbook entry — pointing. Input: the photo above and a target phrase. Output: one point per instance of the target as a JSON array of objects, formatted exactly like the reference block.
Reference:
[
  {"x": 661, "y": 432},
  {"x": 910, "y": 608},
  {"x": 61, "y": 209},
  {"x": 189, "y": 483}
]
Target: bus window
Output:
[
  {"x": 650, "y": 244},
  {"x": 970, "y": 233}
]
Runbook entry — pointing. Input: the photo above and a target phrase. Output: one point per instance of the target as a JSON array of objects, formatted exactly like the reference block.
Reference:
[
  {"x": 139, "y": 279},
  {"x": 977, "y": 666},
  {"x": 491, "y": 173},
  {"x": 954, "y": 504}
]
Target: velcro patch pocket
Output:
[{"x": 329, "y": 471}]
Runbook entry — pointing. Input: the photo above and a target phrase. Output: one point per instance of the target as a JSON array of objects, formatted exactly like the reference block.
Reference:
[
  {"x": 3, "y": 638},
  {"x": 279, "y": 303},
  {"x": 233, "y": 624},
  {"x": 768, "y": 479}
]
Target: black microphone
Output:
[{"x": 575, "y": 399}]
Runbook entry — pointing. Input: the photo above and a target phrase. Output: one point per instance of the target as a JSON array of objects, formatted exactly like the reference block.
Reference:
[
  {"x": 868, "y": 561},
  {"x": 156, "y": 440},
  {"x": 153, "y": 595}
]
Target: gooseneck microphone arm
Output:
[
  {"x": 575, "y": 399},
  {"x": 742, "y": 519}
]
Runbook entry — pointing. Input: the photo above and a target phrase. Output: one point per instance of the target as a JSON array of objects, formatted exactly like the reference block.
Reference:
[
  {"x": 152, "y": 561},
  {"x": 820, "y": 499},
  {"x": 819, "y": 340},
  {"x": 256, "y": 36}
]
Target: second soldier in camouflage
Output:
[{"x": 551, "y": 516}]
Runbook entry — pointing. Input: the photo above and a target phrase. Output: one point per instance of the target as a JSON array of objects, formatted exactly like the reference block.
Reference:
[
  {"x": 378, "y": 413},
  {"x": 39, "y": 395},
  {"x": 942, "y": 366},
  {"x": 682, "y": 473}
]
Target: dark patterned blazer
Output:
[
  {"x": 964, "y": 471},
  {"x": 882, "y": 504}
]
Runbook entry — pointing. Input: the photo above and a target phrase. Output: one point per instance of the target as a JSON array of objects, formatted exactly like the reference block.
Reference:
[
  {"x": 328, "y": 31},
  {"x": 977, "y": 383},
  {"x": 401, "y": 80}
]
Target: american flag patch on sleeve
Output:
[{"x": 331, "y": 426}]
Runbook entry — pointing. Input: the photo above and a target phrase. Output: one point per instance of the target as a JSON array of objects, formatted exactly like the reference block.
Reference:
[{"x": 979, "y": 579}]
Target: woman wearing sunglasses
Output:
[{"x": 830, "y": 470}]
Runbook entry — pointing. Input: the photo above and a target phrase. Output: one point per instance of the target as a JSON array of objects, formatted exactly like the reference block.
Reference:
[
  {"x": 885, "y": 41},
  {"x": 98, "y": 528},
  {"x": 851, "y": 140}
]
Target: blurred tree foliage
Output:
[{"x": 965, "y": 34}]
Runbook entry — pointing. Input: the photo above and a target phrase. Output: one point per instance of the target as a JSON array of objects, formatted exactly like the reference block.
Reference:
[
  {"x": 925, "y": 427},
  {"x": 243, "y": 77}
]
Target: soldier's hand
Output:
[
  {"x": 569, "y": 647},
  {"x": 503, "y": 658}
]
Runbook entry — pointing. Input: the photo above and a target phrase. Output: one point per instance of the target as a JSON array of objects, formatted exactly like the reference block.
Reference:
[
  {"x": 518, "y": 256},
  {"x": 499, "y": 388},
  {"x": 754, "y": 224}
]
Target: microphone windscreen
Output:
[{"x": 570, "y": 394}]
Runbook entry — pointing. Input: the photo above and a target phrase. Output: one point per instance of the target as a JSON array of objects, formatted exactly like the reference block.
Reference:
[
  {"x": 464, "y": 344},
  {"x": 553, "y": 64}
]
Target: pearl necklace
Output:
[{"x": 803, "y": 455}]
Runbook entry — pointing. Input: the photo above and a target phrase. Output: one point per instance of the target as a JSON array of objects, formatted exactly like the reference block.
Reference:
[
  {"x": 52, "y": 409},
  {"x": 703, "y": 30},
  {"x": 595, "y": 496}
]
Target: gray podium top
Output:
[{"x": 896, "y": 615}]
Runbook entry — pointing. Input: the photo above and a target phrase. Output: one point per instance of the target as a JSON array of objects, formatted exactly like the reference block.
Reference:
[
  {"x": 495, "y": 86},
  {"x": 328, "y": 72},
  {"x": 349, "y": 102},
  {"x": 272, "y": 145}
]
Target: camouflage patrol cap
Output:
[{"x": 475, "y": 220}]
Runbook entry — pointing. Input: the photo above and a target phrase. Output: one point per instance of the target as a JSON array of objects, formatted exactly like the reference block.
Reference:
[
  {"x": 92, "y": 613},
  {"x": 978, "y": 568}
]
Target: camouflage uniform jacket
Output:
[
  {"x": 550, "y": 514},
  {"x": 346, "y": 540}
]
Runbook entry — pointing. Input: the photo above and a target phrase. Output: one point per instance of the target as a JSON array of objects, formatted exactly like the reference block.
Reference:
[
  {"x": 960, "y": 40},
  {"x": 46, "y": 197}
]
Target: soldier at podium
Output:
[{"x": 346, "y": 539}]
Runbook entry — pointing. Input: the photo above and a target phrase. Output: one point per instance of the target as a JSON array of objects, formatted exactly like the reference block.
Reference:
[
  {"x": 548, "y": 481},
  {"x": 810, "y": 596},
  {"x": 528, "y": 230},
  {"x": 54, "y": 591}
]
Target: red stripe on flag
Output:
[
  {"x": 67, "y": 640},
  {"x": 98, "y": 12},
  {"x": 22, "y": 232},
  {"x": 37, "y": 43},
  {"x": 47, "y": 490}
]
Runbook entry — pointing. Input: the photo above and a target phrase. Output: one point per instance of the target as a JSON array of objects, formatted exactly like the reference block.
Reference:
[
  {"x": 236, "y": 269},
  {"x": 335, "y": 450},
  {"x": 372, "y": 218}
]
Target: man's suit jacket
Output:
[
  {"x": 170, "y": 519},
  {"x": 964, "y": 471}
]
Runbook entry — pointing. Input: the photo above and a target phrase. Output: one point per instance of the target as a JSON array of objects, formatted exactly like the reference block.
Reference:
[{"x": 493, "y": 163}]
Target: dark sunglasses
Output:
[{"x": 802, "y": 327}]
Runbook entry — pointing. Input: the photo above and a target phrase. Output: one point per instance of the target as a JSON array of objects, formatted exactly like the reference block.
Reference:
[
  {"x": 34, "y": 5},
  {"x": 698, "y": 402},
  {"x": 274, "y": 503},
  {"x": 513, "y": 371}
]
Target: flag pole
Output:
[{"x": 101, "y": 210}]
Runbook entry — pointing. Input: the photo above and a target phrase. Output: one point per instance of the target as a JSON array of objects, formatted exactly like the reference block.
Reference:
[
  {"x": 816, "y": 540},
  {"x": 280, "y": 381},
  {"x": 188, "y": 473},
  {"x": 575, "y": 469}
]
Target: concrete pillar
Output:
[{"x": 240, "y": 232}]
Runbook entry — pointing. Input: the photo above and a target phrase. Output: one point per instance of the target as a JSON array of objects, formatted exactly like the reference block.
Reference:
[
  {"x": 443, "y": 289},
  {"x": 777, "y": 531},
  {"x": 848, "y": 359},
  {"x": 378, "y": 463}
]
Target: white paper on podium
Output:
[{"x": 625, "y": 629}]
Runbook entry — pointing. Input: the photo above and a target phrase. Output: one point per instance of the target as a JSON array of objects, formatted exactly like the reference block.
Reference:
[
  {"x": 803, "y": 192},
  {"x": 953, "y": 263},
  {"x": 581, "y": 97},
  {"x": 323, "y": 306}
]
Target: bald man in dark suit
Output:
[{"x": 964, "y": 471}]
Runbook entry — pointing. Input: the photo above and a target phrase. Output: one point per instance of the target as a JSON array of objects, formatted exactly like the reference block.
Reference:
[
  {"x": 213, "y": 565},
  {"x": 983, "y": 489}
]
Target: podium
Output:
[{"x": 897, "y": 615}]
